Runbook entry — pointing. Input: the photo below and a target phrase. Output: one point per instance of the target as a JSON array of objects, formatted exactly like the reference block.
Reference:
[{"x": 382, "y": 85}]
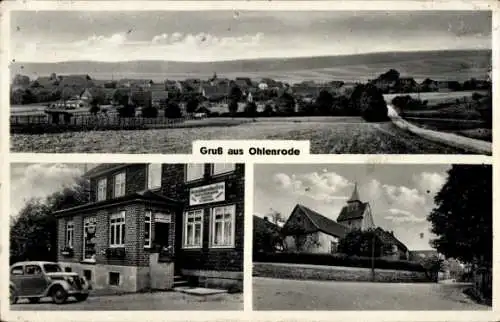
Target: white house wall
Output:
[
  {"x": 367, "y": 222},
  {"x": 315, "y": 243}
]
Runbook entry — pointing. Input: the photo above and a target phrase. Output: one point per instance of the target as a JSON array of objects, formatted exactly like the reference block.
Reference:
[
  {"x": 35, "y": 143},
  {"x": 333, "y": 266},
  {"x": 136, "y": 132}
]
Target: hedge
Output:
[{"x": 337, "y": 260}]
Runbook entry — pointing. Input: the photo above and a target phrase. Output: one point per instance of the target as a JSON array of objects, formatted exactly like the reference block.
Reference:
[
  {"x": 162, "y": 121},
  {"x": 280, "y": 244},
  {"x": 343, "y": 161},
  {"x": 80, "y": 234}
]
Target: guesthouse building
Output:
[{"x": 149, "y": 226}]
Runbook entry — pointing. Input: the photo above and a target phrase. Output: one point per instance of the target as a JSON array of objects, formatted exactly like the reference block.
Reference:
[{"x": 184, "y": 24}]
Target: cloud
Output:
[
  {"x": 39, "y": 181},
  {"x": 403, "y": 216},
  {"x": 429, "y": 182},
  {"x": 403, "y": 196},
  {"x": 325, "y": 186},
  {"x": 99, "y": 41}
]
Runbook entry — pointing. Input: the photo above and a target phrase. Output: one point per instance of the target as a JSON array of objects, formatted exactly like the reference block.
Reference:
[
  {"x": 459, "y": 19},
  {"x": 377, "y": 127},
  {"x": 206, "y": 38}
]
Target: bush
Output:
[
  {"x": 150, "y": 112},
  {"x": 251, "y": 109},
  {"x": 337, "y": 260},
  {"x": 373, "y": 106},
  {"x": 126, "y": 111},
  {"x": 173, "y": 111}
]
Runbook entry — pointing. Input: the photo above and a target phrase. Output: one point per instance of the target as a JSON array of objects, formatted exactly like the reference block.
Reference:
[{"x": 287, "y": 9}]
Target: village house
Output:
[
  {"x": 308, "y": 231},
  {"x": 152, "y": 226},
  {"x": 159, "y": 99}
]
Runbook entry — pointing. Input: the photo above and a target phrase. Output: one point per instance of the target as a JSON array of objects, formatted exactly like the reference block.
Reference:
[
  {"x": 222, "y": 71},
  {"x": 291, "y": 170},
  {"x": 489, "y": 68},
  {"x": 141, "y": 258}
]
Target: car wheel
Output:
[
  {"x": 81, "y": 297},
  {"x": 34, "y": 300},
  {"x": 59, "y": 295},
  {"x": 13, "y": 296}
]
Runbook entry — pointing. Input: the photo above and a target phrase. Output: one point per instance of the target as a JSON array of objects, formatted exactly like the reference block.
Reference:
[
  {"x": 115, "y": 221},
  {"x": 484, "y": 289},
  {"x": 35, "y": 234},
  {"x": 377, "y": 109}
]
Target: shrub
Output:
[
  {"x": 150, "y": 111},
  {"x": 173, "y": 111},
  {"x": 337, "y": 260},
  {"x": 126, "y": 111},
  {"x": 373, "y": 107},
  {"x": 251, "y": 109}
]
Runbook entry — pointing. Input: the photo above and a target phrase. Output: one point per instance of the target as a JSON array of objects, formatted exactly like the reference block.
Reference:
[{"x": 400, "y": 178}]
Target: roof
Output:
[
  {"x": 32, "y": 263},
  {"x": 159, "y": 94},
  {"x": 259, "y": 224},
  {"x": 217, "y": 90},
  {"x": 355, "y": 194},
  {"x": 389, "y": 238},
  {"x": 348, "y": 213},
  {"x": 102, "y": 168},
  {"x": 144, "y": 195},
  {"x": 322, "y": 223}
]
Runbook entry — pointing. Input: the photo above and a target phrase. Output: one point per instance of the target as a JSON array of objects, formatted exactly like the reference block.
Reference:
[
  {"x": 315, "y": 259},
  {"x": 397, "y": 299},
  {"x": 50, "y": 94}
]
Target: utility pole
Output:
[{"x": 373, "y": 256}]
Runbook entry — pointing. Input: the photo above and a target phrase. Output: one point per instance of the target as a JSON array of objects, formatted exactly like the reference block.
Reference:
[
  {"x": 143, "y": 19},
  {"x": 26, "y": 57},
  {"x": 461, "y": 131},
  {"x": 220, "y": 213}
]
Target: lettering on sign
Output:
[
  {"x": 163, "y": 218},
  {"x": 207, "y": 194}
]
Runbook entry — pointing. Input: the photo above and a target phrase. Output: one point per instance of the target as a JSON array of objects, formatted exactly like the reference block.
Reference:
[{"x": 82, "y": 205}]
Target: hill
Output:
[{"x": 456, "y": 65}]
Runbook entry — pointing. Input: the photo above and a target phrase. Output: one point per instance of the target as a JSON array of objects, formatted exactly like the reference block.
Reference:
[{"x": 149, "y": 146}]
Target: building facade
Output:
[
  {"x": 356, "y": 214},
  {"x": 148, "y": 224}
]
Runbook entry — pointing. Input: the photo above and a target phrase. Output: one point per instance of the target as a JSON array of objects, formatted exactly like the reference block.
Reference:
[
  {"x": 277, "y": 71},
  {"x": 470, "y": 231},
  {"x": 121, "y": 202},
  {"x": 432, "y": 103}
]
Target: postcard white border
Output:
[{"x": 247, "y": 313}]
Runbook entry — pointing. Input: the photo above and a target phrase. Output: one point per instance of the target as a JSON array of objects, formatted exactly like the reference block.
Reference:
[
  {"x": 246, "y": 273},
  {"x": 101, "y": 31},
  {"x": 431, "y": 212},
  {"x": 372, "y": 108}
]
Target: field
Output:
[{"x": 327, "y": 135}]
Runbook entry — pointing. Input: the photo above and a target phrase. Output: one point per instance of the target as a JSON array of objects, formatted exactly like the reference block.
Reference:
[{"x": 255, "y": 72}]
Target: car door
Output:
[
  {"x": 16, "y": 277},
  {"x": 34, "y": 282}
]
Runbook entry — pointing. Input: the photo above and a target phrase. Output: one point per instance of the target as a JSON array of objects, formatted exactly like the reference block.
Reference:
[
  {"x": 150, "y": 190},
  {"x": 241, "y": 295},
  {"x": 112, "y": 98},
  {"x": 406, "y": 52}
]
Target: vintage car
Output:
[{"x": 36, "y": 280}]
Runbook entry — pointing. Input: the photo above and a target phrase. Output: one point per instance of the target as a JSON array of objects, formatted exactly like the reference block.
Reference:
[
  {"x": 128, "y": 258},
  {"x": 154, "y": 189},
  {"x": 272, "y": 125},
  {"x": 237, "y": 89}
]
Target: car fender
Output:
[
  {"x": 12, "y": 285},
  {"x": 64, "y": 284}
]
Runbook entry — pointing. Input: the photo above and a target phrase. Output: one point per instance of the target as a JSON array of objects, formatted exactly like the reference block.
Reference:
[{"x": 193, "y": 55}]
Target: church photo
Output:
[{"x": 372, "y": 237}]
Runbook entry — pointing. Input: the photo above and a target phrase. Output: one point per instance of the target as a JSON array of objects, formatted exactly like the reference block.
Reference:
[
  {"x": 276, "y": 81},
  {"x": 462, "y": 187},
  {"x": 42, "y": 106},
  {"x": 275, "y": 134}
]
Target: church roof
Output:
[
  {"x": 348, "y": 213},
  {"x": 355, "y": 194},
  {"x": 324, "y": 224}
]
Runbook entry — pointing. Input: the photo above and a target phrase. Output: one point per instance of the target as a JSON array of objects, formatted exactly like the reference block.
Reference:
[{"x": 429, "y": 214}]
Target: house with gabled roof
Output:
[
  {"x": 356, "y": 214},
  {"x": 308, "y": 231}
]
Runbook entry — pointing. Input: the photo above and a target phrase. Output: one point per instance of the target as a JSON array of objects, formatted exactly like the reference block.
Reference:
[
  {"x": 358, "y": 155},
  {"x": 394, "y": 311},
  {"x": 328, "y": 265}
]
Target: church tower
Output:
[{"x": 356, "y": 214}]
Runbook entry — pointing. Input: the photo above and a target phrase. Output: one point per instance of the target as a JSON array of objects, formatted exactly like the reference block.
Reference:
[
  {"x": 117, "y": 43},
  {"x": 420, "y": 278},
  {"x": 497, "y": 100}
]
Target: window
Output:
[
  {"x": 117, "y": 230},
  {"x": 17, "y": 270},
  {"x": 334, "y": 246},
  {"x": 154, "y": 175},
  {"x": 222, "y": 231},
  {"x": 194, "y": 171},
  {"x": 147, "y": 229},
  {"x": 114, "y": 278},
  {"x": 70, "y": 232},
  {"x": 193, "y": 229},
  {"x": 32, "y": 270},
  {"x": 219, "y": 168},
  {"x": 87, "y": 273},
  {"x": 89, "y": 238},
  {"x": 119, "y": 185},
  {"x": 101, "y": 189}
]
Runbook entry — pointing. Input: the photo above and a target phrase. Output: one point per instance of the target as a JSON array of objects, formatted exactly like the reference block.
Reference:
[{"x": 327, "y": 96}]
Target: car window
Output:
[
  {"x": 52, "y": 268},
  {"x": 17, "y": 270},
  {"x": 32, "y": 270}
]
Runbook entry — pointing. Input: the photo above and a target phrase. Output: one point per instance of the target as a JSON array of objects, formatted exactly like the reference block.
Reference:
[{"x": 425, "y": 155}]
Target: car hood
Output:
[{"x": 62, "y": 274}]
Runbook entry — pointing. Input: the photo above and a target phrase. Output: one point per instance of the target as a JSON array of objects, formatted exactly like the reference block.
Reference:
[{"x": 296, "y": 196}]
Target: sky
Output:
[
  {"x": 400, "y": 196},
  {"x": 39, "y": 180},
  {"x": 54, "y": 36}
]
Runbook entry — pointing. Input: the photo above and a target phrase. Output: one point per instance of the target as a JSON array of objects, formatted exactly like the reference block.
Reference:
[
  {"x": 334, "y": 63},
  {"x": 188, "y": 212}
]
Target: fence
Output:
[{"x": 35, "y": 124}]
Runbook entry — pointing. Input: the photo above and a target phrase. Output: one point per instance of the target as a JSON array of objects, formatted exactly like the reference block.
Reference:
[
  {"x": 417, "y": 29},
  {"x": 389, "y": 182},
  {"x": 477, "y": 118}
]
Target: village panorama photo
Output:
[
  {"x": 350, "y": 82},
  {"x": 123, "y": 236},
  {"x": 372, "y": 237}
]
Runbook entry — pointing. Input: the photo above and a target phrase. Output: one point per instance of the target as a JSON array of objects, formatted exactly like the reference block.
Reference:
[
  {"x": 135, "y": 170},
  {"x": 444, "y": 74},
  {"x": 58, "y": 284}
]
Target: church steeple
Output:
[{"x": 355, "y": 194}]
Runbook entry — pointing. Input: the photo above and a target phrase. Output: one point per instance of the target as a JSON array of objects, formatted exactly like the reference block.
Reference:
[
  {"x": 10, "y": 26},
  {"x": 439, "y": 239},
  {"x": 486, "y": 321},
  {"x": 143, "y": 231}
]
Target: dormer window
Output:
[
  {"x": 119, "y": 189},
  {"x": 101, "y": 189},
  {"x": 154, "y": 175}
]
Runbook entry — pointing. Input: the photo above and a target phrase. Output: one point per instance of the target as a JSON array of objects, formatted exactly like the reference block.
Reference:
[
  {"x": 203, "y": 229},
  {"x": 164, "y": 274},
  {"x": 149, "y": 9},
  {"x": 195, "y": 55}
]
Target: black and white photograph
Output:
[
  {"x": 122, "y": 236},
  {"x": 372, "y": 237},
  {"x": 350, "y": 82}
]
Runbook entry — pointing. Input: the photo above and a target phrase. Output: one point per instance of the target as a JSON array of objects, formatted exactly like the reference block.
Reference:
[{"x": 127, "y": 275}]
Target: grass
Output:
[{"x": 327, "y": 135}]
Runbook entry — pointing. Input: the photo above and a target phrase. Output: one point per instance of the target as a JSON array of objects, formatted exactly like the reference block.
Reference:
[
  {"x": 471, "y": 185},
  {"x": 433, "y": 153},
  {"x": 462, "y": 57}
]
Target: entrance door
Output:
[{"x": 162, "y": 237}]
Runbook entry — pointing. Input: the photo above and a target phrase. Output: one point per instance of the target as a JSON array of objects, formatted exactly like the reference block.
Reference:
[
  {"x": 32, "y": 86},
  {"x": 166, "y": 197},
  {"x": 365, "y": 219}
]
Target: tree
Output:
[
  {"x": 462, "y": 218},
  {"x": 173, "y": 110},
  {"x": 391, "y": 75},
  {"x": 266, "y": 236},
  {"x": 192, "y": 105},
  {"x": 359, "y": 243},
  {"x": 286, "y": 104},
  {"x": 250, "y": 109},
  {"x": 324, "y": 102},
  {"x": 232, "y": 107},
  {"x": 33, "y": 233},
  {"x": 372, "y": 104}
]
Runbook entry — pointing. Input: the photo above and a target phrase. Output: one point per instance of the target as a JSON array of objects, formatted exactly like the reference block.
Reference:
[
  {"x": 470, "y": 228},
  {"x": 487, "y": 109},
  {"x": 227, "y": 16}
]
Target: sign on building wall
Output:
[
  {"x": 207, "y": 194},
  {"x": 163, "y": 218}
]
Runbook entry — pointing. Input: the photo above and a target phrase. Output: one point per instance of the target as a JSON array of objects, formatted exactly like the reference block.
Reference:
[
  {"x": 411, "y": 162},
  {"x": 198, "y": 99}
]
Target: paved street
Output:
[
  {"x": 143, "y": 301},
  {"x": 282, "y": 294}
]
